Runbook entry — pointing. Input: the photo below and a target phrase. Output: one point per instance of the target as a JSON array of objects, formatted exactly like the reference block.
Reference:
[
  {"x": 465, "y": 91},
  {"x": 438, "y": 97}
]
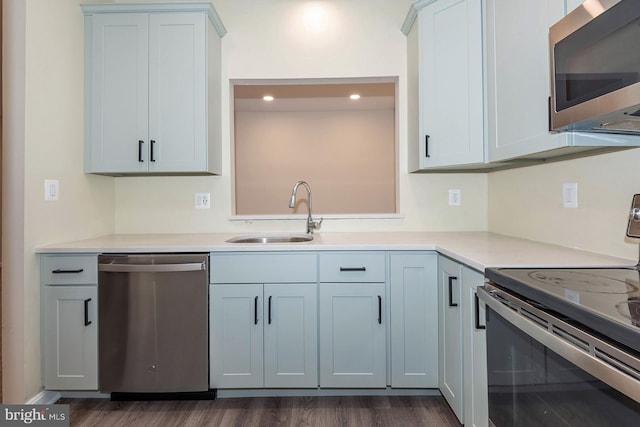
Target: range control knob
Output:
[{"x": 634, "y": 215}]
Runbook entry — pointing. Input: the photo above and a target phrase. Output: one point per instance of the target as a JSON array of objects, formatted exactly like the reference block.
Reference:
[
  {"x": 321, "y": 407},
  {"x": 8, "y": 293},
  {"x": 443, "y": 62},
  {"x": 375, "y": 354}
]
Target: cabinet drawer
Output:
[
  {"x": 263, "y": 268},
  {"x": 352, "y": 267},
  {"x": 69, "y": 269}
]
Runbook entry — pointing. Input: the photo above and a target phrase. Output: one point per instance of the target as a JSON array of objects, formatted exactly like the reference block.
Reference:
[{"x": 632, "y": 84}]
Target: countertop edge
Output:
[{"x": 478, "y": 250}]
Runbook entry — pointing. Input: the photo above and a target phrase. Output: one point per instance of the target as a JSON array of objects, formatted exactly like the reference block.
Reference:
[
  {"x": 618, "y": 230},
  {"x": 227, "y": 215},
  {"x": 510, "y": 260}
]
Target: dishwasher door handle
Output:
[{"x": 152, "y": 268}]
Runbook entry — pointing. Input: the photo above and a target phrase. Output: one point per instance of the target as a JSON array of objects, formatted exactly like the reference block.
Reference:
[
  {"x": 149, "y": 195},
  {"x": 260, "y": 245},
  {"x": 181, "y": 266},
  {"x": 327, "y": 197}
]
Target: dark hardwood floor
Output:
[{"x": 358, "y": 411}]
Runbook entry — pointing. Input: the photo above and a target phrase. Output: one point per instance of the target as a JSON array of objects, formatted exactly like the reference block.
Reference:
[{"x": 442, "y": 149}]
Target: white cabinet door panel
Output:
[
  {"x": 290, "y": 335},
  {"x": 450, "y": 337},
  {"x": 352, "y": 335},
  {"x": 476, "y": 407},
  {"x": 70, "y": 337},
  {"x": 177, "y": 92},
  {"x": 119, "y": 81},
  {"x": 236, "y": 338},
  {"x": 414, "y": 320},
  {"x": 518, "y": 84},
  {"x": 451, "y": 82}
]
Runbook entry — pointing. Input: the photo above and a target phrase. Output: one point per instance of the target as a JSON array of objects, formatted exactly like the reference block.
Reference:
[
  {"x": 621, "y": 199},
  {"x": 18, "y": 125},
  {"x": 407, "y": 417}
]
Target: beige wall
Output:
[
  {"x": 269, "y": 40},
  {"x": 527, "y": 203},
  {"x": 43, "y": 139},
  {"x": 347, "y": 157}
]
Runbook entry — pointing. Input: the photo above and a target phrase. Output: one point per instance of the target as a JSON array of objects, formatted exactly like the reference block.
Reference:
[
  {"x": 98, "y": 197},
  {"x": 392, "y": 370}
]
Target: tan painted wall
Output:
[
  {"x": 43, "y": 139},
  {"x": 527, "y": 203},
  {"x": 347, "y": 158}
]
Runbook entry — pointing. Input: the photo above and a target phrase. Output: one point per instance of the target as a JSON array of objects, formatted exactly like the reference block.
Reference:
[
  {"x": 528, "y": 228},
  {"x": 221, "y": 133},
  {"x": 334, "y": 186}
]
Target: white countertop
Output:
[{"x": 478, "y": 250}]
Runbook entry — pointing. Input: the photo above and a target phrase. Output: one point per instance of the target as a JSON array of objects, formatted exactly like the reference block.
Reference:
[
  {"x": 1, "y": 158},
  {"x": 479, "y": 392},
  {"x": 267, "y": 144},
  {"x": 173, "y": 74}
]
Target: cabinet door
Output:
[
  {"x": 290, "y": 335},
  {"x": 476, "y": 408},
  {"x": 414, "y": 321},
  {"x": 118, "y": 99},
  {"x": 236, "y": 338},
  {"x": 450, "y": 336},
  {"x": 518, "y": 85},
  {"x": 352, "y": 335},
  {"x": 70, "y": 337},
  {"x": 177, "y": 93},
  {"x": 451, "y": 83}
]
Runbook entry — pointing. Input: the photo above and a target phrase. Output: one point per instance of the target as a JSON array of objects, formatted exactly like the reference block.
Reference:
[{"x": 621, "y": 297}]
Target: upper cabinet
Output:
[
  {"x": 489, "y": 109},
  {"x": 152, "y": 85},
  {"x": 446, "y": 84}
]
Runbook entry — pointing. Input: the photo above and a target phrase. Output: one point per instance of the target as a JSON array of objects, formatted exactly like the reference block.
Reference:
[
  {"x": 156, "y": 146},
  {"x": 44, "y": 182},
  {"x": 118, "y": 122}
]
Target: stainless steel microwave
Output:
[{"x": 595, "y": 68}]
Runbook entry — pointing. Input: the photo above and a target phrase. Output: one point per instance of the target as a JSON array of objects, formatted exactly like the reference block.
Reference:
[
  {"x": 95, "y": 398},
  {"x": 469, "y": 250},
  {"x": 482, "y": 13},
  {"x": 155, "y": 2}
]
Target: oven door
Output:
[{"x": 542, "y": 371}]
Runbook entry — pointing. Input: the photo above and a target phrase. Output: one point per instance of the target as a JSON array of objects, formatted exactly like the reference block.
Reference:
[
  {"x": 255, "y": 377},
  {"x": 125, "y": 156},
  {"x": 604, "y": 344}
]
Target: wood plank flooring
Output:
[{"x": 386, "y": 411}]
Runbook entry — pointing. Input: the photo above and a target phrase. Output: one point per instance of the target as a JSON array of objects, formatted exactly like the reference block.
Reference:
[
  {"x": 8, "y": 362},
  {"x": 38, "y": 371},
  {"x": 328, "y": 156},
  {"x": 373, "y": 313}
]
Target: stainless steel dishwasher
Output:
[{"x": 153, "y": 323}]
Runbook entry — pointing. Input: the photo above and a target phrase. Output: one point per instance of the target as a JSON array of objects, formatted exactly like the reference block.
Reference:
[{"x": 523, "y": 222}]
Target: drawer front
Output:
[
  {"x": 69, "y": 269},
  {"x": 264, "y": 268},
  {"x": 352, "y": 267}
]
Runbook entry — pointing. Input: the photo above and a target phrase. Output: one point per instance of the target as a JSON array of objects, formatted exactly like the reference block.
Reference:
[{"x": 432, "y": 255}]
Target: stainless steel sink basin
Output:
[{"x": 272, "y": 238}]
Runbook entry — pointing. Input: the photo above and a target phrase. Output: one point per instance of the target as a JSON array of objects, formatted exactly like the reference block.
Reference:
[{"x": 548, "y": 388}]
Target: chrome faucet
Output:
[{"x": 311, "y": 224}]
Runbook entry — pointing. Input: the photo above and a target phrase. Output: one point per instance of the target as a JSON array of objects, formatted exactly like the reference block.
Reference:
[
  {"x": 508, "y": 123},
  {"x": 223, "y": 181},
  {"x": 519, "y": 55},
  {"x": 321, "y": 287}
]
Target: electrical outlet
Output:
[
  {"x": 51, "y": 189},
  {"x": 455, "y": 197},
  {"x": 570, "y": 195},
  {"x": 203, "y": 200}
]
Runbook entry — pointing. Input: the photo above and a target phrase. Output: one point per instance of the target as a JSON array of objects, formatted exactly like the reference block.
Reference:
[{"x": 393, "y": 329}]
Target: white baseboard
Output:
[{"x": 45, "y": 397}]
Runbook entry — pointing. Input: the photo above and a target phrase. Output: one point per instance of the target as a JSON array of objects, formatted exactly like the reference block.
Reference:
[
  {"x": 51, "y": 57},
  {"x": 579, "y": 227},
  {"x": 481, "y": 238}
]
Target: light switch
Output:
[
  {"x": 51, "y": 189},
  {"x": 570, "y": 195},
  {"x": 455, "y": 197}
]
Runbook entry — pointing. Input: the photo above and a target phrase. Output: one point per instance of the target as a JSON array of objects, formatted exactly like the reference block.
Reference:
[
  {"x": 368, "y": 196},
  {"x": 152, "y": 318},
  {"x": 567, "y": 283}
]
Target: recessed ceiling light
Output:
[
  {"x": 355, "y": 96},
  {"x": 268, "y": 98}
]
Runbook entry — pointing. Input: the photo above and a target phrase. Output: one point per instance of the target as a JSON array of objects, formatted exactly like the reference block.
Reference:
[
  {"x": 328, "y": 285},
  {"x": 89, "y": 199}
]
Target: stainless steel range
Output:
[{"x": 563, "y": 345}]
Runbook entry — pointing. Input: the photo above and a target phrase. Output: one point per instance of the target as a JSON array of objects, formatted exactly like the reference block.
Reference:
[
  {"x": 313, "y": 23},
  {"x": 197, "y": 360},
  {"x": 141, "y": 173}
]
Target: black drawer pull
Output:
[
  {"x": 426, "y": 145},
  {"x": 451, "y": 303},
  {"x": 140, "y": 142},
  {"x": 59, "y": 271},
  {"x": 477, "y": 313},
  {"x": 269, "y": 309},
  {"x": 152, "y": 157},
  {"x": 255, "y": 311},
  {"x": 353, "y": 268},
  {"x": 87, "y": 322},
  {"x": 379, "y": 310}
]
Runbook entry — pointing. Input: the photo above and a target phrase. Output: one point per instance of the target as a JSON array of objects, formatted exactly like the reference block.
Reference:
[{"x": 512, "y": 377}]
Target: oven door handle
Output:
[{"x": 615, "y": 368}]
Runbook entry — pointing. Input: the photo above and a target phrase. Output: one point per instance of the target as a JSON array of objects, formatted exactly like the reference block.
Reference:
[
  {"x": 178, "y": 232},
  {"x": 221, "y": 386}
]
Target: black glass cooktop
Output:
[{"x": 606, "y": 300}]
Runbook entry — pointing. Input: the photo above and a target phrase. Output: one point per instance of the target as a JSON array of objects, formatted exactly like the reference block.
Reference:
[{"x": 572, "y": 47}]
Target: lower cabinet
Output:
[
  {"x": 263, "y": 335},
  {"x": 352, "y": 335},
  {"x": 476, "y": 407},
  {"x": 463, "y": 359},
  {"x": 414, "y": 320},
  {"x": 450, "y": 334},
  {"x": 70, "y": 331}
]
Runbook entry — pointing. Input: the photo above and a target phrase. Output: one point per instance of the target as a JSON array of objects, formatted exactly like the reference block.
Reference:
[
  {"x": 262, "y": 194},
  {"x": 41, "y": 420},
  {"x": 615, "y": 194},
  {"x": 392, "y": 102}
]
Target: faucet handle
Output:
[{"x": 316, "y": 224}]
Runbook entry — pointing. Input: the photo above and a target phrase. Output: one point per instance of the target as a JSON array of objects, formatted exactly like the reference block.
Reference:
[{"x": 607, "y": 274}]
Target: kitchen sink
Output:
[{"x": 272, "y": 238}]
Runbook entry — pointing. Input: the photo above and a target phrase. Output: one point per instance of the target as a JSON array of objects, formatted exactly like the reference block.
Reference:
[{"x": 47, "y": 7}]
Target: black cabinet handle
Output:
[
  {"x": 426, "y": 145},
  {"x": 353, "y": 268},
  {"x": 140, "y": 142},
  {"x": 87, "y": 322},
  {"x": 59, "y": 271},
  {"x": 269, "y": 309},
  {"x": 151, "y": 157},
  {"x": 451, "y": 303},
  {"x": 477, "y": 313},
  {"x": 255, "y": 311},
  {"x": 379, "y": 310}
]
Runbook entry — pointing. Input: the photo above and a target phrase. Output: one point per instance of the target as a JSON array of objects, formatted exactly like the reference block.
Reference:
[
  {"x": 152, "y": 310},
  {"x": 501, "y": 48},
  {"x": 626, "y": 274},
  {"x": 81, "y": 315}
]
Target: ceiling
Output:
[{"x": 329, "y": 90}]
